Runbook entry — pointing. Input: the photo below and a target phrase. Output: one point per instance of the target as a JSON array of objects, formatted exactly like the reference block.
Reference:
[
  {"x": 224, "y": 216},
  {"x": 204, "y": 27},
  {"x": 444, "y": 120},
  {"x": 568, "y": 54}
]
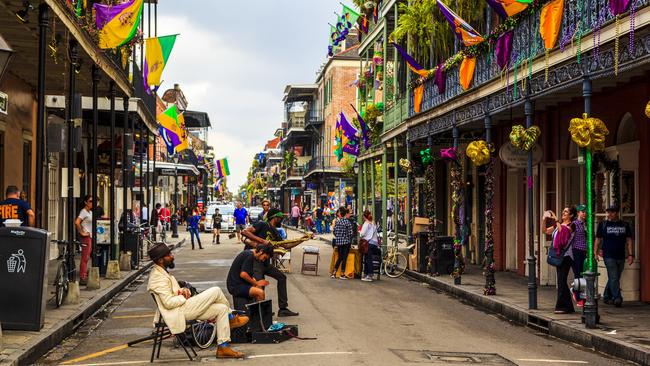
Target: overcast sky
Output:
[{"x": 233, "y": 60}]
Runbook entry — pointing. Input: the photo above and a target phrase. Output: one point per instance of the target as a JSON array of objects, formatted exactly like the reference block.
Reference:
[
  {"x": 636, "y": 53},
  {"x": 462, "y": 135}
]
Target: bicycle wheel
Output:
[
  {"x": 395, "y": 265},
  {"x": 60, "y": 284},
  {"x": 203, "y": 333}
]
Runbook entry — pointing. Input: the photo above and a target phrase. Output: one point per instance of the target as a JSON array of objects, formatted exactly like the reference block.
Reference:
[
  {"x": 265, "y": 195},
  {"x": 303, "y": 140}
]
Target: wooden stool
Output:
[{"x": 310, "y": 266}]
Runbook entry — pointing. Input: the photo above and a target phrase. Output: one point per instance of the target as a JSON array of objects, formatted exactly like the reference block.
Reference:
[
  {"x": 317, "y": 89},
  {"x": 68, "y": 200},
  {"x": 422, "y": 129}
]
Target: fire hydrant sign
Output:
[{"x": 24, "y": 256}]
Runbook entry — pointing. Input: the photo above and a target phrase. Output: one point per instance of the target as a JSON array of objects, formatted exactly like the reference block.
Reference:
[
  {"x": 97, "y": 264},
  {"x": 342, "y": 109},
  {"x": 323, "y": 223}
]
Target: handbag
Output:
[
  {"x": 555, "y": 259},
  {"x": 364, "y": 246}
]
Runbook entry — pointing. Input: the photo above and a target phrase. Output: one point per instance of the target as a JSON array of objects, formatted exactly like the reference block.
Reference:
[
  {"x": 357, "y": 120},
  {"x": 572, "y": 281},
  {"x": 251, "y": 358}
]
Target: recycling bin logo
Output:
[{"x": 17, "y": 263}]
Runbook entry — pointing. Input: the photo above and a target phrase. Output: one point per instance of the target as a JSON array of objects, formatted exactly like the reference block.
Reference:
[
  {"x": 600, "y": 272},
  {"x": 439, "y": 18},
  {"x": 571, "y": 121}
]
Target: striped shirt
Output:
[{"x": 579, "y": 237}]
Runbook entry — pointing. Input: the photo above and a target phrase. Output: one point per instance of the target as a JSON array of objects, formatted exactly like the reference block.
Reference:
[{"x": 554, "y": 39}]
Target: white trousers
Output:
[{"x": 210, "y": 304}]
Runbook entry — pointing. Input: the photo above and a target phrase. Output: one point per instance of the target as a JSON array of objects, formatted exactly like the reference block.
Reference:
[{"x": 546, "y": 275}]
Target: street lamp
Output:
[
  {"x": 5, "y": 55},
  {"x": 174, "y": 215}
]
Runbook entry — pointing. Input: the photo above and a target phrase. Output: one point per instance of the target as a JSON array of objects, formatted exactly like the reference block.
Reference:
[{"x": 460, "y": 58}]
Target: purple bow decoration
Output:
[
  {"x": 449, "y": 154},
  {"x": 503, "y": 49},
  {"x": 618, "y": 7},
  {"x": 439, "y": 78}
]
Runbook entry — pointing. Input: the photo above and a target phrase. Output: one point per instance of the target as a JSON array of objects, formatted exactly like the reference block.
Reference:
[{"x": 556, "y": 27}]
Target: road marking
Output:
[
  {"x": 96, "y": 354},
  {"x": 131, "y": 362},
  {"x": 133, "y": 316},
  {"x": 302, "y": 354},
  {"x": 550, "y": 361}
]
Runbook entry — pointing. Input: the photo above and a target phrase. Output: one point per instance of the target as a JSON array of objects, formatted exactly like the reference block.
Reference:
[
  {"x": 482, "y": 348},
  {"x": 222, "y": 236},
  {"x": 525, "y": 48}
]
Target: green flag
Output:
[{"x": 349, "y": 14}]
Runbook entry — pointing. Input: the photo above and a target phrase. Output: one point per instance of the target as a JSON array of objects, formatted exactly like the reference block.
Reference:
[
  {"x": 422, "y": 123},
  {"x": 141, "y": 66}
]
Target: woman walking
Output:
[
  {"x": 193, "y": 227},
  {"x": 84, "y": 225},
  {"x": 343, "y": 241},
  {"x": 562, "y": 232},
  {"x": 369, "y": 234}
]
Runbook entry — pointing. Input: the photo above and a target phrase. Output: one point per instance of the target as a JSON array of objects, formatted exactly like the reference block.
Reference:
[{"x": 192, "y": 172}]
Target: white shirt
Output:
[
  {"x": 369, "y": 233},
  {"x": 145, "y": 214},
  {"x": 86, "y": 220}
]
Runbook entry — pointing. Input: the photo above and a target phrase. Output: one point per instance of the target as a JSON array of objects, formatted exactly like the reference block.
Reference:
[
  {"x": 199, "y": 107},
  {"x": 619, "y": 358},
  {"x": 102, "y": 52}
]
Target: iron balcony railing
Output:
[
  {"x": 396, "y": 114},
  {"x": 526, "y": 43},
  {"x": 317, "y": 163}
]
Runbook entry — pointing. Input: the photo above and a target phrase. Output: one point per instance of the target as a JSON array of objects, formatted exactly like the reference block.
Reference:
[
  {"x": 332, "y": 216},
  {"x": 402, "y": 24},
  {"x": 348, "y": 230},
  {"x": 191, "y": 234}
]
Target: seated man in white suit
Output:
[{"x": 177, "y": 307}]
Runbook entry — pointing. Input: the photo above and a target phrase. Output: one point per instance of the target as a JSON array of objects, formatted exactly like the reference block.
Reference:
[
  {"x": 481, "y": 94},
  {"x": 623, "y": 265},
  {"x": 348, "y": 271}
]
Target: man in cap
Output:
[
  {"x": 264, "y": 232},
  {"x": 613, "y": 237},
  {"x": 579, "y": 250},
  {"x": 176, "y": 305}
]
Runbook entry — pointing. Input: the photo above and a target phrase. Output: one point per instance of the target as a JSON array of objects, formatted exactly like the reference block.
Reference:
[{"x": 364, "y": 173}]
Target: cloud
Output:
[{"x": 233, "y": 60}]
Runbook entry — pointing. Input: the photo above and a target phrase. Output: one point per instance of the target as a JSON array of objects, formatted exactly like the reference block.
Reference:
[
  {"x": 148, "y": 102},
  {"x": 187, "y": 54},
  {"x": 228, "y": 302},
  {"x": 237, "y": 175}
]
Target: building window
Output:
[{"x": 27, "y": 165}]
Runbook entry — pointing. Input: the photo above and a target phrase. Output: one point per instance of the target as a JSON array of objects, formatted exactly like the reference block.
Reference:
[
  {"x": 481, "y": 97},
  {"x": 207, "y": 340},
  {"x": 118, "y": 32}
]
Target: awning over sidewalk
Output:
[{"x": 166, "y": 169}]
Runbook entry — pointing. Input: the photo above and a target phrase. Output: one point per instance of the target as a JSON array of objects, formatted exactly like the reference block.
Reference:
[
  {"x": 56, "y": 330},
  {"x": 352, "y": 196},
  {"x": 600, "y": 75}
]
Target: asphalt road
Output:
[{"x": 387, "y": 322}]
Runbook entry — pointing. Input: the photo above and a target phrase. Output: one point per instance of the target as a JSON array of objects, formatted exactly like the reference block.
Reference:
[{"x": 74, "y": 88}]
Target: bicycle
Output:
[
  {"x": 394, "y": 262},
  {"x": 61, "y": 281},
  {"x": 145, "y": 233}
]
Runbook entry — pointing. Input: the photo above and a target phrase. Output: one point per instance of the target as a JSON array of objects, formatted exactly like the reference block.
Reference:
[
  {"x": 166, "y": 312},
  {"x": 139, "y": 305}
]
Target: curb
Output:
[
  {"x": 60, "y": 331},
  {"x": 539, "y": 322}
]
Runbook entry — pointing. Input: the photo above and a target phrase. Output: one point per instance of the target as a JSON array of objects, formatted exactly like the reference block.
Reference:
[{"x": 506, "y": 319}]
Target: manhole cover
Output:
[{"x": 451, "y": 358}]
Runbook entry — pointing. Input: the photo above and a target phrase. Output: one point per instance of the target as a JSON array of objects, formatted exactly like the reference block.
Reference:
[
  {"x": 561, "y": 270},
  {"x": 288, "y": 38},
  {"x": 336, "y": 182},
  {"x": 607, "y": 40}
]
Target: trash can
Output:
[
  {"x": 445, "y": 254},
  {"x": 24, "y": 257},
  {"x": 130, "y": 244},
  {"x": 103, "y": 245}
]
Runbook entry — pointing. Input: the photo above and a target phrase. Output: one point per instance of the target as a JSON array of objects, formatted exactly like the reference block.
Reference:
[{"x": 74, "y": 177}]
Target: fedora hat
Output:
[{"x": 158, "y": 251}]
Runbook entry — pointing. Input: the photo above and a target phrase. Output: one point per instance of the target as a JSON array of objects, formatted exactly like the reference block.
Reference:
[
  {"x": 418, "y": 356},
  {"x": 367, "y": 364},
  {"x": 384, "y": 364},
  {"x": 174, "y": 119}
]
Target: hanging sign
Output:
[{"x": 516, "y": 158}]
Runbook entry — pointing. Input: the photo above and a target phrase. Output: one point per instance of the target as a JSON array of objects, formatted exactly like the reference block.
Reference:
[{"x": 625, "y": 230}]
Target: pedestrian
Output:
[
  {"x": 613, "y": 237},
  {"x": 12, "y": 207},
  {"x": 266, "y": 206},
  {"x": 319, "y": 219},
  {"x": 145, "y": 213},
  {"x": 155, "y": 221},
  {"x": 241, "y": 219},
  {"x": 84, "y": 225},
  {"x": 265, "y": 232},
  {"x": 165, "y": 216},
  {"x": 177, "y": 305},
  {"x": 343, "y": 241},
  {"x": 562, "y": 232},
  {"x": 240, "y": 281},
  {"x": 216, "y": 225},
  {"x": 295, "y": 215},
  {"x": 193, "y": 226},
  {"x": 579, "y": 248},
  {"x": 369, "y": 234},
  {"x": 327, "y": 218}
]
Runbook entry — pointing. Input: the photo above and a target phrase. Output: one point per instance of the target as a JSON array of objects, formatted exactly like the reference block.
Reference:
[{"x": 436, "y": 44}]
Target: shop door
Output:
[{"x": 515, "y": 179}]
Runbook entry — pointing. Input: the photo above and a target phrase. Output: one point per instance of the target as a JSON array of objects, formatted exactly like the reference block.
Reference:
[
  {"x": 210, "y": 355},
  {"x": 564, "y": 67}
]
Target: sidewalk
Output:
[
  {"x": 24, "y": 347},
  {"x": 622, "y": 332}
]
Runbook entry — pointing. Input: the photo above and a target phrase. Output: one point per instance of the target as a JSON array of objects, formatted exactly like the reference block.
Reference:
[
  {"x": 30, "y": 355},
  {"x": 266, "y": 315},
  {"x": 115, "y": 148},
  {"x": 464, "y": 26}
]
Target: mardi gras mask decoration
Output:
[
  {"x": 426, "y": 156},
  {"x": 524, "y": 138},
  {"x": 478, "y": 152},
  {"x": 588, "y": 132}
]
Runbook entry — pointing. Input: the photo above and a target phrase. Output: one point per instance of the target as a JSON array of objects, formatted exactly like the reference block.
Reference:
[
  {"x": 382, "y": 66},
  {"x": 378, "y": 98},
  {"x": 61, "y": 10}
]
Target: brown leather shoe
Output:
[
  {"x": 238, "y": 321},
  {"x": 227, "y": 352}
]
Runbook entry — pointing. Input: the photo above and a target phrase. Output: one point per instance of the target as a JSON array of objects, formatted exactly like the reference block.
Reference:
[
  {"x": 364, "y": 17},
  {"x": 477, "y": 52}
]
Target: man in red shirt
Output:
[{"x": 165, "y": 216}]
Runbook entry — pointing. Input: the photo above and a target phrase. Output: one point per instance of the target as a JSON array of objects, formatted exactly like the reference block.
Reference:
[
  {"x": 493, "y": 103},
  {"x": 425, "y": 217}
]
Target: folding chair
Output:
[
  {"x": 310, "y": 251},
  {"x": 282, "y": 259},
  {"x": 163, "y": 330}
]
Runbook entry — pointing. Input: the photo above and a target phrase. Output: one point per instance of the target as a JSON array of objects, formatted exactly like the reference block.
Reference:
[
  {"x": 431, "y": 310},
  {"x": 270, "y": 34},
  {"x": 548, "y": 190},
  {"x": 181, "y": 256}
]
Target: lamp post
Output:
[
  {"x": 357, "y": 187},
  {"x": 532, "y": 260},
  {"x": 174, "y": 215}
]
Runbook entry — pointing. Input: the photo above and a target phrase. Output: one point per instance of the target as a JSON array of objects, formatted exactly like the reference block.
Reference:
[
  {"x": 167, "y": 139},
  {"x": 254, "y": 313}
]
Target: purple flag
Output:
[
  {"x": 618, "y": 7},
  {"x": 498, "y": 8},
  {"x": 365, "y": 131},
  {"x": 439, "y": 78},
  {"x": 503, "y": 49},
  {"x": 351, "y": 146},
  {"x": 468, "y": 35}
]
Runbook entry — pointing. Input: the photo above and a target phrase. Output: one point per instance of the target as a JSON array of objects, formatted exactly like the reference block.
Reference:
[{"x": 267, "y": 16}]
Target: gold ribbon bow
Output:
[
  {"x": 588, "y": 132},
  {"x": 405, "y": 164},
  {"x": 524, "y": 138},
  {"x": 478, "y": 152}
]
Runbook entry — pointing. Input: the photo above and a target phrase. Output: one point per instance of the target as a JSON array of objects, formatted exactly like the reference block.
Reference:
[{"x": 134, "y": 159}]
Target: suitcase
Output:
[{"x": 260, "y": 319}]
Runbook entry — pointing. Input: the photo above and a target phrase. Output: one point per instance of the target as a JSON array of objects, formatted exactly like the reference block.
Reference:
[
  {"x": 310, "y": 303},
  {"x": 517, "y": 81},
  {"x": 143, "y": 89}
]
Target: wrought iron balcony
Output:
[
  {"x": 322, "y": 163},
  {"x": 396, "y": 114},
  {"x": 315, "y": 117},
  {"x": 526, "y": 43}
]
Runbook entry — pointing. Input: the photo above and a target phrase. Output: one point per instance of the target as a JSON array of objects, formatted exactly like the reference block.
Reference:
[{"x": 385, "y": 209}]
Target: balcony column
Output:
[
  {"x": 364, "y": 169},
  {"x": 384, "y": 197},
  {"x": 72, "y": 114},
  {"x": 532, "y": 266},
  {"x": 93, "y": 177},
  {"x": 142, "y": 198},
  {"x": 359, "y": 193},
  {"x": 111, "y": 195},
  {"x": 396, "y": 172},
  {"x": 373, "y": 189},
  {"x": 409, "y": 189},
  {"x": 125, "y": 126},
  {"x": 41, "y": 124}
]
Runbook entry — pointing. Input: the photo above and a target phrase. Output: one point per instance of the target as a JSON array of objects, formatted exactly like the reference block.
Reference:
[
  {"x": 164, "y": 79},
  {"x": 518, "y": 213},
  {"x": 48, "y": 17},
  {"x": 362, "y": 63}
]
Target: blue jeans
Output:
[
  {"x": 327, "y": 226},
  {"x": 193, "y": 232},
  {"x": 373, "y": 251},
  {"x": 319, "y": 226},
  {"x": 614, "y": 272}
]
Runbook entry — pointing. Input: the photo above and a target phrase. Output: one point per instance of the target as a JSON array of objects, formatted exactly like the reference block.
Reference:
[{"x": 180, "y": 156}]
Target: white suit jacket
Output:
[{"x": 165, "y": 288}]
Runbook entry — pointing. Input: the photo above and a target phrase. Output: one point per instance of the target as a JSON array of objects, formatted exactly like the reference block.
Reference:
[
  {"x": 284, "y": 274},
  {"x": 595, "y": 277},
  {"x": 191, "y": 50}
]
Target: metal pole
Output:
[
  {"x": 142, "y": 198},
  {"x": 148, "y": 191},
  {"x": 590, "y": 309},
  {"x": 174, "y": 216},
  {"x": 125, "y": 126},
  {"x": 384, "y": 196},
  {"x": 359, "y": 192},
  {"x": 458, "y": 242},
  {"x": 70, "y": 163},
  {"x": 373, "y": 191},
  {"x": 41, "y": 124},
  {"x": 532, "y": 266},
  {"x": 114, "y": 246},
  {"x": 93, "y": 177},
  {"x": 154, "y": 179},
  {"x": 409, "y": 191},
  {"x": 490, "y": 281},
  {"x": 396, "y": 203}
]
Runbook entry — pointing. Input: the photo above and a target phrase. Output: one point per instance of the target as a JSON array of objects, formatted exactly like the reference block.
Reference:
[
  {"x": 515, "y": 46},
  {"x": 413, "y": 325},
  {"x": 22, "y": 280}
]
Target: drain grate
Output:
[{"x": 451, "y": 358}]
